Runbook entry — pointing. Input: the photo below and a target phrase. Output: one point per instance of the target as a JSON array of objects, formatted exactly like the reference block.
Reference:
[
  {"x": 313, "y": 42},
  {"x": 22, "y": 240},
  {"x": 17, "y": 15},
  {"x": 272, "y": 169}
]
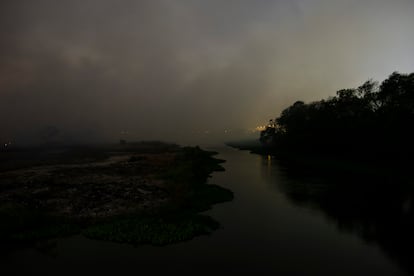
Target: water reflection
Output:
[
  {"x": 377, "y": 206},
  {"x": 264, "y": 231}
]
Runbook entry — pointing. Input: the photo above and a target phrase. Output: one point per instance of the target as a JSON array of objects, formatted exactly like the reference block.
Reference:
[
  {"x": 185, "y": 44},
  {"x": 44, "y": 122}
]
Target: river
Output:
[{"x": 267, "y": 229}]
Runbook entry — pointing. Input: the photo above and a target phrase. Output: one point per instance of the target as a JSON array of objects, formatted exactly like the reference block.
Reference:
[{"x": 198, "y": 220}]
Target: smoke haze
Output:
[{"x": 178, "y": 70}]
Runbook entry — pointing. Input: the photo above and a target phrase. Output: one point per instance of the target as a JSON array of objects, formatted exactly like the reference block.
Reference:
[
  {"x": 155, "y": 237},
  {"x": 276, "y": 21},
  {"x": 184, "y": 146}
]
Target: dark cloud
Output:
[{"x": 163, "y": 69}]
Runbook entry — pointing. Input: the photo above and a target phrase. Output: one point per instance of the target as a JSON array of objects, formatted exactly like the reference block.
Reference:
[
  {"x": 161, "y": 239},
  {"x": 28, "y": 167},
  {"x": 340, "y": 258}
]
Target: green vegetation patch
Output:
[
  {"x": 175, "y": 223},
  {"x": 155, "y": 231}
]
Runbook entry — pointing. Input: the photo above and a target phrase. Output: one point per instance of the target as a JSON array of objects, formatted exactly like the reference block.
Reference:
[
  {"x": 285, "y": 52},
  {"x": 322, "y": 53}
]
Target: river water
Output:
[{"x": 267, "y": 229}]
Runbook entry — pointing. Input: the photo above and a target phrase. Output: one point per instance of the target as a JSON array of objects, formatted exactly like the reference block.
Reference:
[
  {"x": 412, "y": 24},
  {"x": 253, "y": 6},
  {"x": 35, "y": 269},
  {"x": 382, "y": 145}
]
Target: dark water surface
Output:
[{"x": 274, "y": 226}]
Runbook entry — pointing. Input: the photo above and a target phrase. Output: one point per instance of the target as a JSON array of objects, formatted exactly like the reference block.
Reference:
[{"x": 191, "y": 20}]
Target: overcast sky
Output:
[{"x": 164, "y": 68}]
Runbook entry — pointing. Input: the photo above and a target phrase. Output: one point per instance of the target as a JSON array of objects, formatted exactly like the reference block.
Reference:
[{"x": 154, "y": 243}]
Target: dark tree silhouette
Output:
[{"x": 371, "y": 120}]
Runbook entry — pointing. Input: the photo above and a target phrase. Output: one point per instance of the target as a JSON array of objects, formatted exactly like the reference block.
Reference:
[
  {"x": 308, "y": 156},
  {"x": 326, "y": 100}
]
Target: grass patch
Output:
[{"x": 155, "y": 231}]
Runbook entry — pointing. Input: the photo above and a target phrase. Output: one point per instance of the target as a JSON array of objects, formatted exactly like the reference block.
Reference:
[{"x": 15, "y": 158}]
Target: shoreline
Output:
[{"x": 330, "y": 162}]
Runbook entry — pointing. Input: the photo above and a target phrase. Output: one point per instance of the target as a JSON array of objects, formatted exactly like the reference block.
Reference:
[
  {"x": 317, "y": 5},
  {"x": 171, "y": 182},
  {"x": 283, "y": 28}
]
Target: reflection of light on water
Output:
[
  {"x": 7, "y": 144},
  {"x": 269, "y": 165}
]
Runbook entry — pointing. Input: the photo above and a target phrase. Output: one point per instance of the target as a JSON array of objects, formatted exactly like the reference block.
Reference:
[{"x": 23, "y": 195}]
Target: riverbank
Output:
[
  {"x": 331, "y": 161},
  {"x": 148, "y": 192}
]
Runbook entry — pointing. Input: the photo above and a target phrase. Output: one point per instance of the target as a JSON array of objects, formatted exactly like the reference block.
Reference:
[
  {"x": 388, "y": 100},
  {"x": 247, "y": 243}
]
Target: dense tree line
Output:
[{"x": 372, "y": 120}]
